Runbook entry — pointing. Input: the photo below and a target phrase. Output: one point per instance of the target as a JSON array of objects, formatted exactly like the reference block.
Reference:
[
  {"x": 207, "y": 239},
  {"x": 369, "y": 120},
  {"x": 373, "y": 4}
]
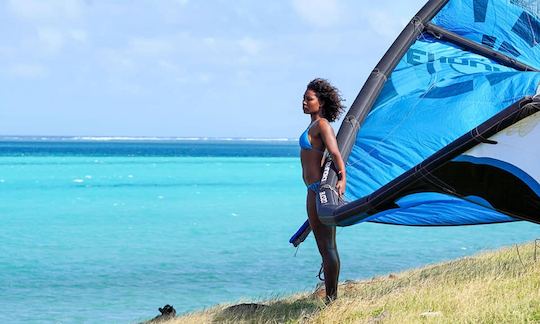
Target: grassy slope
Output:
[{"x": 495, "y": 287}]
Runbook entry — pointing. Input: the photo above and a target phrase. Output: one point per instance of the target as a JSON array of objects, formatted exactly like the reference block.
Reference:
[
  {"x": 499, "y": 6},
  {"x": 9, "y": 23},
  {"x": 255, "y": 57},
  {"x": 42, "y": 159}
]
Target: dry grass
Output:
[{"x": 494, "y": 287}]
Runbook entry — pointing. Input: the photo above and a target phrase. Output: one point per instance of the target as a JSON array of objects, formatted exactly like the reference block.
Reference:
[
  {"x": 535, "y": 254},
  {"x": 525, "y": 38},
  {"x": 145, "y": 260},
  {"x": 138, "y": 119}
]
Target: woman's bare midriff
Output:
[{"x": 311, "y": 165}]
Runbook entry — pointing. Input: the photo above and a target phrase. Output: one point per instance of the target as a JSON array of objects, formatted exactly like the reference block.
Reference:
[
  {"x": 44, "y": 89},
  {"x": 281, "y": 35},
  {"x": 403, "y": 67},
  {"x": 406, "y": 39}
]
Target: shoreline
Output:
[{"x": 494, "y": 286}]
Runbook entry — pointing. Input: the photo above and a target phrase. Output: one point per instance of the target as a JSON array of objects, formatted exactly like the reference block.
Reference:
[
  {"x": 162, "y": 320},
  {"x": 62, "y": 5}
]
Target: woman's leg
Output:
[{"x": 326, "y": 242}]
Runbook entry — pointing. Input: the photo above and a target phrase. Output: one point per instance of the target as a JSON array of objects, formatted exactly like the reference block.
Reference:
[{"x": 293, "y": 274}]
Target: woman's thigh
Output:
[{"x": 324, "y": 235}]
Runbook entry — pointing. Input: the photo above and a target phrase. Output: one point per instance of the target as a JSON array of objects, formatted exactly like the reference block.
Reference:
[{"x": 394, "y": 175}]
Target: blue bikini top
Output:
[{"x": 304, "y": 139}]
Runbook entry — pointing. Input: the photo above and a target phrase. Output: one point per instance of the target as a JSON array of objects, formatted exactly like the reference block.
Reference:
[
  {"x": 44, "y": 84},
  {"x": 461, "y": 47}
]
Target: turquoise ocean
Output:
[{"x": 108, "y": 230}]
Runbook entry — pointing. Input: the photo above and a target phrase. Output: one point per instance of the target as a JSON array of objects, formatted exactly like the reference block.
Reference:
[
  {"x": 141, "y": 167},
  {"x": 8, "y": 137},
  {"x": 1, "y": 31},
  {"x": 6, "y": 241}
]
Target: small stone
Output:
[
  {"x": 379, "y": 318},
  {"x": 320, "y": 291},
  {"x": 431, "y": 314}
]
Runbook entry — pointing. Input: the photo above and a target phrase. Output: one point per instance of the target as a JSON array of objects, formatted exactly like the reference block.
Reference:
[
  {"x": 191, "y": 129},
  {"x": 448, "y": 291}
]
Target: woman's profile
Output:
[{"x": 322, "y": 102}]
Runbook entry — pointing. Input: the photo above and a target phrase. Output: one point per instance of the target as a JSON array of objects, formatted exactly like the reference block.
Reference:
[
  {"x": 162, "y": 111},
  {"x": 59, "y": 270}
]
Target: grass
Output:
[{"x": 494, "y": 287}]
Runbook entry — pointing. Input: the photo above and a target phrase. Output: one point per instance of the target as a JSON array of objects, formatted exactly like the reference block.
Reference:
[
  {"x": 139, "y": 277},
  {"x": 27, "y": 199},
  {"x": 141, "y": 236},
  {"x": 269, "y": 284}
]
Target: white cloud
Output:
[
  {"x": 167, "y": 55},
  {"x": 54, "y": 25},
  {"x": 385, "y": 24},
  {"x": 387, "y": 18},
  {"x": 205, "y": 77},
  {"x": 150, "y": 46},
  {"x": 78, "y": 35},
  {"x": 116, "y": 61},
  {"x": 250, "y": 46},
  {"x": 27, "y": 71},
  {"x": 46, "y": 10},
  {"x": 7, "y": 51},
  {"x": 209, "y": 41},
  {"x": 123, "y": 86},
  {"x": 51, "y": 40},
  {"x": 139, "y": 54},
  {"x": 181, "y": 2},
  {"x": 322, "y": 13},
  {"x": 168, "y": 66},
  {"x": 244, "y": 77}
]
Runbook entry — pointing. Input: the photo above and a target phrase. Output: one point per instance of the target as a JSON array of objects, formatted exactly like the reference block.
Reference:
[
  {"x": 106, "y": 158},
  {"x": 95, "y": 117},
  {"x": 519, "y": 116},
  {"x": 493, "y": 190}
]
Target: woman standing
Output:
[{"x": 322, "y": 102}]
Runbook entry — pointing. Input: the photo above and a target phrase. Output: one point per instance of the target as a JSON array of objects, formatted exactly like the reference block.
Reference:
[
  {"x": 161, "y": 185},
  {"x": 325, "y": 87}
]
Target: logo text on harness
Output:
[
  {"x": 326, "y": 171},
  {"x": 322, "y": 196}
]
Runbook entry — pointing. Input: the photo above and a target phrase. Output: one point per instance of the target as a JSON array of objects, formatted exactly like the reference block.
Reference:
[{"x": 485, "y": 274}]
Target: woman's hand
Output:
[{"x": 340, "y": 187}]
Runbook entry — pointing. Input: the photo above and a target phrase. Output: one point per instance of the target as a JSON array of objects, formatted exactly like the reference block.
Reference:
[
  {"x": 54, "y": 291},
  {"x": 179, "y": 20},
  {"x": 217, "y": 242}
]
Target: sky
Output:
[{"x": 183, "y": 68}]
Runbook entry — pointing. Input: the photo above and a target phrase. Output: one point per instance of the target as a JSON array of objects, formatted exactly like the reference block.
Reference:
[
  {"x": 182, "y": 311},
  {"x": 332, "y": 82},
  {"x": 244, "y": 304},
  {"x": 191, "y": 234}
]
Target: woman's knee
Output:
[{"x": 327, "y": 247}]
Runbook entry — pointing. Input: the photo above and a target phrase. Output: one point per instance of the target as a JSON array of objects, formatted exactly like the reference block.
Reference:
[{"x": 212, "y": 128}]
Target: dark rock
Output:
[{"x": 167, "y": 312}]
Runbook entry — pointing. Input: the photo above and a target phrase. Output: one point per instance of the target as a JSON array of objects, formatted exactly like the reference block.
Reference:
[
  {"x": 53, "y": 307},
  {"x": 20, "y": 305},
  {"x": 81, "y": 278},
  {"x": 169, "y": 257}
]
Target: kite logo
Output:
[
  {"x": 532, "y": 6},
  {"x": 480, "y": 9},
  {"x": 462, "y": 65},
  {"x": 322, "y": 196},
  {"x": 505, "y": 47}
]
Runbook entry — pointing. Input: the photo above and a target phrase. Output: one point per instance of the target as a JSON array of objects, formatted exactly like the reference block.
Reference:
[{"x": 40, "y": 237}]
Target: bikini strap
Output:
[
  {"x": 307, "y": 130},
  {"x": 313, "y": 123}
]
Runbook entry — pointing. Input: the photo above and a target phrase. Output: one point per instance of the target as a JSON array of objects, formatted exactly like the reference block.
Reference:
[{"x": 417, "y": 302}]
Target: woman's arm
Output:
[{"x": 329, "y": 139}]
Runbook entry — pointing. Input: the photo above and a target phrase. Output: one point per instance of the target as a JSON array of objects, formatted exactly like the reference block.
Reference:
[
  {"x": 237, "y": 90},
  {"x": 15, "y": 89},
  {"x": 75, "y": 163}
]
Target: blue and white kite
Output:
[{"x": 446, "y": 130}]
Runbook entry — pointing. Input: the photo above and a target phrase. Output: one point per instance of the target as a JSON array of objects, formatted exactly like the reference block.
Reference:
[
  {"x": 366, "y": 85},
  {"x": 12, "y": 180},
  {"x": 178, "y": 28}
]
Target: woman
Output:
[{"x": 322, "y": 102}]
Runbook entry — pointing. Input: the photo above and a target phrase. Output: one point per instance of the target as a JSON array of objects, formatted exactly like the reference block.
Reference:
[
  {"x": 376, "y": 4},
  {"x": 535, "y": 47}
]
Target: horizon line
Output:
[{"x": 131, "y": 138}]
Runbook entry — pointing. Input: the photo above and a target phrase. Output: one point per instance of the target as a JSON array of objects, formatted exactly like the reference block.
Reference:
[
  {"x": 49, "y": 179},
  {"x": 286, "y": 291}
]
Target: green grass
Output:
[{"x": 494, "y": 287}]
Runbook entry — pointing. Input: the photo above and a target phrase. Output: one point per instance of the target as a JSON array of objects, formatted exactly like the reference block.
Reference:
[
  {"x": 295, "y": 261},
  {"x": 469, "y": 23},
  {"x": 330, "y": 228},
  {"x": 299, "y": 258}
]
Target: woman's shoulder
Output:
[
  {"x": 325, "y": 129},
  {"x": 323, "y": 122}
]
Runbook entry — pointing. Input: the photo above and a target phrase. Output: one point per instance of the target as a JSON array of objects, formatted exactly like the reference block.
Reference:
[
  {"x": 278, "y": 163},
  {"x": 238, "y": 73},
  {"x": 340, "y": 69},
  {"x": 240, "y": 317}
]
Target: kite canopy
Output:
[{"x": 445, "y": 130}]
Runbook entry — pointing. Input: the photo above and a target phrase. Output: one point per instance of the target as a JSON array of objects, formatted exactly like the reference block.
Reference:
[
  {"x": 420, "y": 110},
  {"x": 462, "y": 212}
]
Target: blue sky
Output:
[{"x": 188, "y": 68}]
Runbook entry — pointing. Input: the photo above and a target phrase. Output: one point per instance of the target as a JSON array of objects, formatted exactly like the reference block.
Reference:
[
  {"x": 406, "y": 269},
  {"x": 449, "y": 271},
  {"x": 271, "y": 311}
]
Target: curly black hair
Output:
[{"x": 329, "y": 96}]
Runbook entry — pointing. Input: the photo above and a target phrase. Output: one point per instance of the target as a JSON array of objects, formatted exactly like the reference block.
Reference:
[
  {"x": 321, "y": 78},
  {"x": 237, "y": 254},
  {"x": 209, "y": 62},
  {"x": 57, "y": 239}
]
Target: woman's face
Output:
[{"x": 311, "y": 103}]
